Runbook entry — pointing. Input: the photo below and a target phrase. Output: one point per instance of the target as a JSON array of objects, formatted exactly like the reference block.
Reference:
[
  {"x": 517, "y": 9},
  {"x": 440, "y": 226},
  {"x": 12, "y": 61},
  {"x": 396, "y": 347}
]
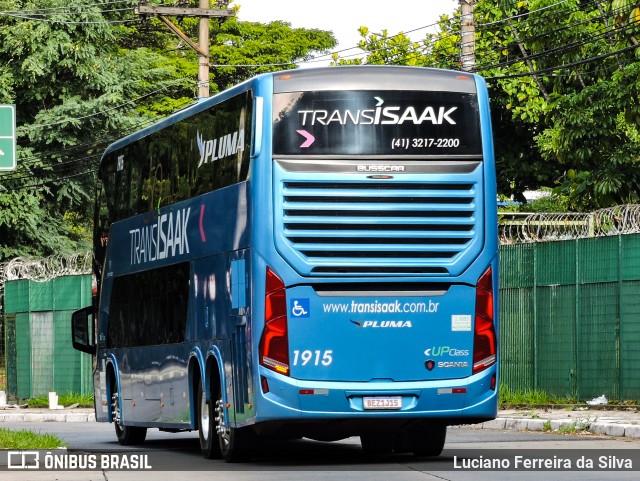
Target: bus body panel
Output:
[
  {"x": 152, "y": 378},
  {"x": 456, "y": 401},
  {"x": 362, "y": 324},
  {"x": 329, "y": 351},
  {"x": 387, "y": 337}
]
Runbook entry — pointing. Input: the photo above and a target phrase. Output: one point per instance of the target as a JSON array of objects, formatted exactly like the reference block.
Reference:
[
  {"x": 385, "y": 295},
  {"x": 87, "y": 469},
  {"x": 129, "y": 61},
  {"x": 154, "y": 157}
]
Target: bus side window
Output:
[{"x": 149, "y": 308}]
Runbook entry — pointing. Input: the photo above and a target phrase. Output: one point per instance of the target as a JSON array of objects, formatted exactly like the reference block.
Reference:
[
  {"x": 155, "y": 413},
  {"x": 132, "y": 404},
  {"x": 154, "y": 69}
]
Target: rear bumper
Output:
[{"x": 452, "y": 401}]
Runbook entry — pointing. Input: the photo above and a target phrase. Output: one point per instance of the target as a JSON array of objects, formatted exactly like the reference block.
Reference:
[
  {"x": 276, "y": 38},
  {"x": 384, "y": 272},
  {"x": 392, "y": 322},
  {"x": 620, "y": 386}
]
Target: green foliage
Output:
[
  {"x": 530, "y": 397},
  {"x": 547, "y": 203},
  {"x": 28, "y": 440},
  {"x": 563, "y": 85},
  {"x": 82, "y": 400},
  {"x": 244, "y": 49},
  {"x": 80, "y": 79},
  {"x": 508, "y": 396},
  {"x": 386, "y": 49}
]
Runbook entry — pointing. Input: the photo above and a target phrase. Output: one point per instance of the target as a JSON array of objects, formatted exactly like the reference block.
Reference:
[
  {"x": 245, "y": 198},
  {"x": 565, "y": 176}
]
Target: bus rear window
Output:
[{"x": 376, "y": 123}]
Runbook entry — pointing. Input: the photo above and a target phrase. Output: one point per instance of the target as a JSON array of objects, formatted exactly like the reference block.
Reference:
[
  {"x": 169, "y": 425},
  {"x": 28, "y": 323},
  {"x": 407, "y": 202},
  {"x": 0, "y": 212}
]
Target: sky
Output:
[{"x": 344, "y": 17}]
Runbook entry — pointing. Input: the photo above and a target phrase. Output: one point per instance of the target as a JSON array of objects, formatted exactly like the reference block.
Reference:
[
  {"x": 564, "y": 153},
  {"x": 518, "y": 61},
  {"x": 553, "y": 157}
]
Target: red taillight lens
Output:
[
  {"x": 274, "y": 343},
  {"x": 484, "y": 337}
]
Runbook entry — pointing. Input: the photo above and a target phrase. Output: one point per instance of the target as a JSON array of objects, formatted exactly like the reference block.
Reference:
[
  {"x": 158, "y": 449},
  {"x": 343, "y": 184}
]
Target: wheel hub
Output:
[
  {"x": 221, "y": 427},
  {"x": 204, "y": 417}
]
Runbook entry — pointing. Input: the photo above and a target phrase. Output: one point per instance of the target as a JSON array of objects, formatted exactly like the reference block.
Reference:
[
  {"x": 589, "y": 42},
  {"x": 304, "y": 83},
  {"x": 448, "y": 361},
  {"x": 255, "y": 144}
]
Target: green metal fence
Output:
[
  {"x": 39, "y": 354},
  {"x": 570, "y": 317}
]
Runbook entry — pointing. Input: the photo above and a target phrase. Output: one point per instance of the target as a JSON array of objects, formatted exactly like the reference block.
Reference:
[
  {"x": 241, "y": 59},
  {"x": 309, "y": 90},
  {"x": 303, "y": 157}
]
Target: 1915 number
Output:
[{"x": 316, "y": 358}]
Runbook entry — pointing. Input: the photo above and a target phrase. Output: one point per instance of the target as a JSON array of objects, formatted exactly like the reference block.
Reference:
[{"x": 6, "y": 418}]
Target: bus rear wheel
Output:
[
  {"x": 127, "y": 435},
  {"x": 236, "y": 444},
  {"x": 207, "y": 427}
]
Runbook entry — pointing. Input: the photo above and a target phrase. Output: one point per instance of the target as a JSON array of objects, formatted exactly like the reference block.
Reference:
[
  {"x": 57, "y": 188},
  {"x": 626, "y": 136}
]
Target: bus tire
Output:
[
  {"x": 427, "y": 440},
  {"x": 236, "y": 444},
  {"x": 127, "y": 435},
  {"x": 205, "y": 413},
  {"x": 377, "y": 443}
]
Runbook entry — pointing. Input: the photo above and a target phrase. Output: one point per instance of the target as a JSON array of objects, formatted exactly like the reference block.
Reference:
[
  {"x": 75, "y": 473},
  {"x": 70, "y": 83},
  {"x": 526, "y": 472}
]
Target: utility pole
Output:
[
  {"x": 203, "y": 59},
  {"x": 468, "y": 35},
  {"x": 202, "y": 47}
]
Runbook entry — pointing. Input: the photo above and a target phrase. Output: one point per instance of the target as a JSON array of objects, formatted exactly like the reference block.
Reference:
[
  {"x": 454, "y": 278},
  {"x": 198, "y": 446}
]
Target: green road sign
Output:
[{"x": 7, "y": 137}]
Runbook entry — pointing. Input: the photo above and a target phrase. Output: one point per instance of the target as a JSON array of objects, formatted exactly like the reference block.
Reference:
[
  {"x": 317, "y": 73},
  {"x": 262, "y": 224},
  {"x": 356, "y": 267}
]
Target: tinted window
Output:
[
  {"x": 376, "y": 123},
  {"x": 198, "y": 154},
  {"x": 149, "y": 308}
]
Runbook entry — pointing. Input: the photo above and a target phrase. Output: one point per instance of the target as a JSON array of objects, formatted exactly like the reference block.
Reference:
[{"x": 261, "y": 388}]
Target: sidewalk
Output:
[
  {"x": 619, "y": 422},
  {"x": 624, "y": 422},
  {"x": 44, "y": 415}
]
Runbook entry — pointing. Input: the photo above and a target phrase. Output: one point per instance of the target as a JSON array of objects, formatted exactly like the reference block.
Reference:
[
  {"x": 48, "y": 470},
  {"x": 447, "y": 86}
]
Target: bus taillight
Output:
[
  {"x": 484, "y": 339},
  {"x": 274, "y": 343}
]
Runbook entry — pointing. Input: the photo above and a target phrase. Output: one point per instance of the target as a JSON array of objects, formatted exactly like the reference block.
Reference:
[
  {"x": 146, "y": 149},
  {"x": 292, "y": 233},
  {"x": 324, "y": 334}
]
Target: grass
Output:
[
  {"x": 83, "y": 400},
  {"x": 28, "y": 440},
  {"x": 577, "y": 426},
  {"x": 569, "y": 428},
  {"x": 534, "y": 397},
  {"x": 530, "y": 397},
  {"x": 3, "y": 375}
]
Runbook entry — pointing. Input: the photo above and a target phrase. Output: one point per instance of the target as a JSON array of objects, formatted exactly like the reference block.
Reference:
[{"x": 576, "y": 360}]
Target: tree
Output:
[
  {"x": 82, "y": 75},
  {"x": 562, "y": 79}
]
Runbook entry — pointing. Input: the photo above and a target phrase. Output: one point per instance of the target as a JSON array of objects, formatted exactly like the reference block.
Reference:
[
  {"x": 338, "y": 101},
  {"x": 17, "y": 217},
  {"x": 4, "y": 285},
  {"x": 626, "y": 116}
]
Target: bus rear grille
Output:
[{"x": 371, "y": 226}]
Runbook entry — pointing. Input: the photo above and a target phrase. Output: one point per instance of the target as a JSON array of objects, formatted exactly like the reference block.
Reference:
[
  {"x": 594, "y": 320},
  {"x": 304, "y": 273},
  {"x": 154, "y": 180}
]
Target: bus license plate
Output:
[{"x": 379, "y": 402}]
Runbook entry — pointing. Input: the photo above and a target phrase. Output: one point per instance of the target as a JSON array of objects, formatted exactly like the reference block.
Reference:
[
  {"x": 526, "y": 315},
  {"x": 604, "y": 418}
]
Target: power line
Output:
[
  {"x": 52, "y": 14},
  {"x": 31, "y": 169},
  {"x": 102, "y": 112},
  {"x": 502, "y": 20},
  {"x": 415, "y": 54},
  {"x": 481, "y": 28},
  {"x": 594, "y": 19},
  {"x": 33, "y": 159},
  {"x": 53, "y": 9},
  {"x": 563, "y": 48},
  {"x": 568, "y": 65},
  {"x": 70, "y": 22},
  {"x": 12, "y": 177},
  {"x": 52, "y": 181}
]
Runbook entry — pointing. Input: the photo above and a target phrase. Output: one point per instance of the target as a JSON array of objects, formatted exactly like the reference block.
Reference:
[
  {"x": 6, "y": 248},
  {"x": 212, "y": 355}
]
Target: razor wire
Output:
[
  {"x": 513, "y": 228},
  {"x": 45, "y": 269},
  {"x": 520, "y": 228}
]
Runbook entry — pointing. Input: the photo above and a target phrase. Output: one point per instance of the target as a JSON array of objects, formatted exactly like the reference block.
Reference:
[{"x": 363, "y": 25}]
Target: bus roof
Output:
[
  {"x": 373, "y": 77},
  {"x": 360, "y": 77}
]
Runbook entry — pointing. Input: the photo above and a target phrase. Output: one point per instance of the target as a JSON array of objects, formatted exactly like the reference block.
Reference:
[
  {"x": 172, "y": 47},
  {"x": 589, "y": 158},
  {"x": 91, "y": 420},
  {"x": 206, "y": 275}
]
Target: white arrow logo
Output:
[{"x": 1, "y": 152}]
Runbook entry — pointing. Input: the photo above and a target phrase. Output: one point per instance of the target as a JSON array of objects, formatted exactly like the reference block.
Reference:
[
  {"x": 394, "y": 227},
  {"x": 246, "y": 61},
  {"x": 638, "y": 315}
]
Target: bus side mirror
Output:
[{"x": 81, "y": 330}]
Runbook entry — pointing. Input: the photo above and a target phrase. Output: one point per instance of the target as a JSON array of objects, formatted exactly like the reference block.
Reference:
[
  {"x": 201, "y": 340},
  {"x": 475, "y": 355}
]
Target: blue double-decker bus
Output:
[{"x": 312, "y": 253}]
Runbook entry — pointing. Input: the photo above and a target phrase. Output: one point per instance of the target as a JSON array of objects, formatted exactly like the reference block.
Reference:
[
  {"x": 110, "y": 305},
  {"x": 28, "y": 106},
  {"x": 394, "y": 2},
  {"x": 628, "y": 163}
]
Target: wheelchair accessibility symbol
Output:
[{"x": 300, "y": 307}]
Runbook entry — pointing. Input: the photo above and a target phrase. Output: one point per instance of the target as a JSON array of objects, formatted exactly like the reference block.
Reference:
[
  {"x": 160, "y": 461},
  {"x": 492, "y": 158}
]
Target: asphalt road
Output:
[{"x": 177, "y": 456}]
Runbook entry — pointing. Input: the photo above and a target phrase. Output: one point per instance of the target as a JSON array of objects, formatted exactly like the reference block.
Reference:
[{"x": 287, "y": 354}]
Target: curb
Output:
[
  {"x": 47, "y": 417},
  {"x": 616, "y": 429}
]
